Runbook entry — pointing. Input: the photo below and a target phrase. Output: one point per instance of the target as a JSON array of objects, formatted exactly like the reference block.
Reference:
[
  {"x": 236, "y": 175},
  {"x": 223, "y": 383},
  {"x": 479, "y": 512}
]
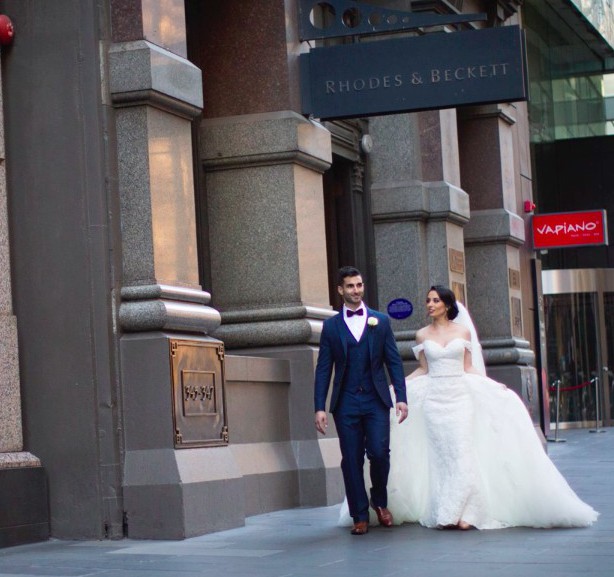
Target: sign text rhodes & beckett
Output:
[{"x": 438, "y": 70}]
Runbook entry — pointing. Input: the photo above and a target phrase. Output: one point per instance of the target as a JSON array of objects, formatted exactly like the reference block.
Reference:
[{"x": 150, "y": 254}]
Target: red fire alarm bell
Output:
[{"x": 6, "y": 30}]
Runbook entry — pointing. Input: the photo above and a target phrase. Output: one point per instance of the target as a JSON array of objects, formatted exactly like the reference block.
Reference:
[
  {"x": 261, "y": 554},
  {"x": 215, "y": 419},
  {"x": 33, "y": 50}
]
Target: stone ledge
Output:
[
  {"x": 419, "y": 201},
  {"x": 161, "y": 314},
  {"x": 18, "y": 459},
  {"x": 140, "y": 71},
  {"x": 159, "y": 291},
  {"x": 267, "y": 334},
  {"x": 495, "y": 226},
  {"x": 272, "y": 327},
  {"x": 275, "y": 314},
  {"x": 263, "y": 139}
]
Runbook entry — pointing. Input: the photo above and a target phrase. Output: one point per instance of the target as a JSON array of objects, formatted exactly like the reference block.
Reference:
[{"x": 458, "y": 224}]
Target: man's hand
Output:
[
  {"x": 401, "y": 412},
  {"x": 322, "y": 421}
]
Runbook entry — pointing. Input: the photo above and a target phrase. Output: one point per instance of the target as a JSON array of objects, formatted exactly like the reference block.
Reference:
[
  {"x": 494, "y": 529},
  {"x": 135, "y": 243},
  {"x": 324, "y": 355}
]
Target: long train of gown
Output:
[{"x": 468, "y": 450}]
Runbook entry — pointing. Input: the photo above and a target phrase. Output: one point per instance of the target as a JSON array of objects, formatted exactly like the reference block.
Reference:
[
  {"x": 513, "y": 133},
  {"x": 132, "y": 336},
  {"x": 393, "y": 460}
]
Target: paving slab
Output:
[{"x": 307, "y": 542}]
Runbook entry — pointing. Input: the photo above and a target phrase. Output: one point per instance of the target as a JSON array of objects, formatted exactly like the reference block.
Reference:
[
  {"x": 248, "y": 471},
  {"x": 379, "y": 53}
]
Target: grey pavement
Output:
[{"x": 307, "y": 542}]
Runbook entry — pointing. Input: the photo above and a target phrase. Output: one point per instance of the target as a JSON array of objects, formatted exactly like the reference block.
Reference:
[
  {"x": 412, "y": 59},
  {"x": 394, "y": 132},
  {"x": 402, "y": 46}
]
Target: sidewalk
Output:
[{"x": 307, "y": 542}]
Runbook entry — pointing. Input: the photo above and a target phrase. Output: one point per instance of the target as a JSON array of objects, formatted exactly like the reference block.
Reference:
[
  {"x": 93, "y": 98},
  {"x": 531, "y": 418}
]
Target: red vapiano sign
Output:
[{"x": 567, "y": 229}]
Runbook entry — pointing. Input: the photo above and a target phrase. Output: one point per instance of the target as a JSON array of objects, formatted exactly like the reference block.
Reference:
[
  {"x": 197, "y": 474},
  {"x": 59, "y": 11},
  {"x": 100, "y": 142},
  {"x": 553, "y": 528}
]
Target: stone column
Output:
[
  {"x": 495, "y": 174},
  {"x": 268, "y": 261},
  {"x": 23, "y": 491},
  {"x": 169, "y": 492},
  {"x": 263, "y": 165},
  {"x": 419, "y": 210},
  {"x": 264, "y": 195}
]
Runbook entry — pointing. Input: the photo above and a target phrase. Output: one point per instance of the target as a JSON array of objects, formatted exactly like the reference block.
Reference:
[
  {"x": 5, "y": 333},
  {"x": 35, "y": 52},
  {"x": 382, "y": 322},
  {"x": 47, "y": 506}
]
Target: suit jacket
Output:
[{"x": 382, "y": 349}]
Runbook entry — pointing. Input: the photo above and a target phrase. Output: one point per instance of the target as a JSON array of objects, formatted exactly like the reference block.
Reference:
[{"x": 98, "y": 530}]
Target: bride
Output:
[{"x": 468, "y": 455}]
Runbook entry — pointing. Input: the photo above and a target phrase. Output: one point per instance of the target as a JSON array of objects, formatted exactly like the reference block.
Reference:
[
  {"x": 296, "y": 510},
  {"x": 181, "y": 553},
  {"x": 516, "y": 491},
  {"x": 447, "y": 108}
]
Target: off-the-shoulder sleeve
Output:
[
  {"x": 417, "y": 349},
  {"x": 467, "y": 345}
]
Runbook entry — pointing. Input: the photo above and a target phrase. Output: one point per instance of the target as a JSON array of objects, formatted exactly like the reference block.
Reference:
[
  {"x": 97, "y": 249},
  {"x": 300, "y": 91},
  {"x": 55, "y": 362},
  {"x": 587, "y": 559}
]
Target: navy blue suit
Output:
[{"x": 360, "y": 402}]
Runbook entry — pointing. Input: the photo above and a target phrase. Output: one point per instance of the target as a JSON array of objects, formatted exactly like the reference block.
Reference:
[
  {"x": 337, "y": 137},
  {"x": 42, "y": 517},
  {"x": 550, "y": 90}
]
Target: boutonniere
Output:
[{"x": 372, "y": 321}]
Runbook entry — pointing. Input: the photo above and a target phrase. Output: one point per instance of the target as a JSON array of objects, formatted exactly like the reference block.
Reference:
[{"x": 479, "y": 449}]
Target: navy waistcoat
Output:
[{"x": 357, "y": 375}]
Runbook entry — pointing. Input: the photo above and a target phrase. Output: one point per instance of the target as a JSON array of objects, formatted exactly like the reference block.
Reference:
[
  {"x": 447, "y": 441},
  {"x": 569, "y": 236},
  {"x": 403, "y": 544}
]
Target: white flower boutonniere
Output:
[{"x": 372, "y": 321}]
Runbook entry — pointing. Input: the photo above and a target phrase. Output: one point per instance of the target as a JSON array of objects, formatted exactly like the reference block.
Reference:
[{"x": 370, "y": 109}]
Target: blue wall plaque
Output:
[{"x": 400, "y": 308}]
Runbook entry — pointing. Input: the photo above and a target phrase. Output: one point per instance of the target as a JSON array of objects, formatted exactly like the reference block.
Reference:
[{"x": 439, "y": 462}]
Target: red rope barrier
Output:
[{"x": 572, "y": 388}]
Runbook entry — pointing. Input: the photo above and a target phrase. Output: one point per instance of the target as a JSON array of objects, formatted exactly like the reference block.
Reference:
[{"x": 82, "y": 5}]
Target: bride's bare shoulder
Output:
[
  {"x": 461, "y": 331},
  {"x": 422, "y": 334}
]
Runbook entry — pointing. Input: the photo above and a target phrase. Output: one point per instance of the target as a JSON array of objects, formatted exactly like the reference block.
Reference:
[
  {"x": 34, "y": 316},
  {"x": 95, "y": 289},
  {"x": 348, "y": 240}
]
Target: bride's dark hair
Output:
[{"x": 448, "y": 298}]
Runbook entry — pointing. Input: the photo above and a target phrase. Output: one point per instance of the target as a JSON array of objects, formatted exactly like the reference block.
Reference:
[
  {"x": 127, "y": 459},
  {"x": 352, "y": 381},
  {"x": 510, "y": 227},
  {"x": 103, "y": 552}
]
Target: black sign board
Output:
[{"x": 437, "y": 70}]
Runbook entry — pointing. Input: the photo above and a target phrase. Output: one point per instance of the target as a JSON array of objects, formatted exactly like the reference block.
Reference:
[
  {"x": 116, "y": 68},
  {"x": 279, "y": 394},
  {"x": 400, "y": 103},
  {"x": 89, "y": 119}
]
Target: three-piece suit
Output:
[{"x": 360, "y": 402}]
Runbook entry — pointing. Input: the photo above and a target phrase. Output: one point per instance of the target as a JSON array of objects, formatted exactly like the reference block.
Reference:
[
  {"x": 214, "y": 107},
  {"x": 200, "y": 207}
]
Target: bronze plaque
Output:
[
  {"x": 199, "y": 396},
  {"x": 458, "y": 288},
  {"x": 514, "y": 278},
  {"x": 457, "y": 260},
  {"x": 516, "y": 317},
  {"x": 199, "y": 408}
]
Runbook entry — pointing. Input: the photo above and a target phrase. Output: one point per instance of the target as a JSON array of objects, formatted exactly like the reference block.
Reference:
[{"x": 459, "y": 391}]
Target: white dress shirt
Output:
[{"x": 356, "y": 323}]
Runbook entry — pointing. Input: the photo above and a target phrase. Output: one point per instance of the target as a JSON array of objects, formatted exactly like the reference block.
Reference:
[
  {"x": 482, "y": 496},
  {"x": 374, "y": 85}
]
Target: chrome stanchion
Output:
[
  {"x": 597, "y": 429},
  {"x": 556, "y": 439}
]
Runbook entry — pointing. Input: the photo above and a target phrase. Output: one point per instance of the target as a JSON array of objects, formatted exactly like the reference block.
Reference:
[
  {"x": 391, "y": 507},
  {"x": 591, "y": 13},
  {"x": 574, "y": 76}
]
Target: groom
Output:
[{"x": 358, "y": 342}]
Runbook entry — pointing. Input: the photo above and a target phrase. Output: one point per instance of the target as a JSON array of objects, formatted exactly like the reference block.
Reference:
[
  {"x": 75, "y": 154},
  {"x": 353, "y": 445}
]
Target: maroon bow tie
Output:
[{"x": 359, "y": 312}]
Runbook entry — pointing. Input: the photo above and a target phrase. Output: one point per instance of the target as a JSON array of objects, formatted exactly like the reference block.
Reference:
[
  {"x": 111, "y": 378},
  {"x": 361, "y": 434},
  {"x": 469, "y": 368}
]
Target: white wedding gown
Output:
[{"x": 468, "y": 451}]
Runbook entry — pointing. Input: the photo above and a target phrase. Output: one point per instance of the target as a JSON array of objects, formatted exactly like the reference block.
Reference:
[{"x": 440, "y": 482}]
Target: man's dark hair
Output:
[
  {"x": 448, "y": 298},
  {"x": 346, "y": 271}
]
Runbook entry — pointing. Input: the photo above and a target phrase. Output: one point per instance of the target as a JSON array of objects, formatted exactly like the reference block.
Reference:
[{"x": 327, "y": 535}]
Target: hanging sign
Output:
[
  {"x": 568, "y": 229},
  {"x": 437, "y": 70}
]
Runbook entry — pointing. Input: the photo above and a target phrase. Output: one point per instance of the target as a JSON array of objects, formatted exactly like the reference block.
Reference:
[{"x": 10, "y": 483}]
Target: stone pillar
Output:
[
  {"x": 264, "y": 195},
  {"x": 263, "y": 165},
  {"x": 419, "y": 210},
  {"x": 169, "y": 492},
  {"x": 23, "y": 492},
  {"x": 493, "y": 175},
  {"x": 268, "y": 260}
]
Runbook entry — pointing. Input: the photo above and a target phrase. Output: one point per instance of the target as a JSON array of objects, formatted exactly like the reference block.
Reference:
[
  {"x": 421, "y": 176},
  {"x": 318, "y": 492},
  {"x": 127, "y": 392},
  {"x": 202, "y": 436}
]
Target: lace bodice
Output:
[{"x": 444, "y": 361}]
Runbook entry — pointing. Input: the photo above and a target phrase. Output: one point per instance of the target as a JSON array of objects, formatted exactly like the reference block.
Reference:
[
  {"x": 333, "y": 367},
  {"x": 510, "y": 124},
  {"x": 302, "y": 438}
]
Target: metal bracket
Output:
[{"x": 348, "y": 18}]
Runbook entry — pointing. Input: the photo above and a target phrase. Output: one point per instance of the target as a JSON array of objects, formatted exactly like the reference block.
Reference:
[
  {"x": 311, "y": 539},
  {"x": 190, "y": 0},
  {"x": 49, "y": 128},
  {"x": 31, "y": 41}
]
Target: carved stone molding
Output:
[
  {"x": 142, "y": 73},
  {"x": 163, "y": 308}
]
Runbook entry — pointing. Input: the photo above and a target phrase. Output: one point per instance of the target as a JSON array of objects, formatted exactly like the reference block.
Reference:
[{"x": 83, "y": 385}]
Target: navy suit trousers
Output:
[{"x": 363, "y": 426}]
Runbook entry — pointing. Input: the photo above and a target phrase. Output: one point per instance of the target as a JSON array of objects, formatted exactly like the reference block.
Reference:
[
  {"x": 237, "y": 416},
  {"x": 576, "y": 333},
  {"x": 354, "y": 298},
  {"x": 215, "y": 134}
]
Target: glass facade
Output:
[
  {"x": 571, "y": 117},
  {"x": 572, "y": 92}
]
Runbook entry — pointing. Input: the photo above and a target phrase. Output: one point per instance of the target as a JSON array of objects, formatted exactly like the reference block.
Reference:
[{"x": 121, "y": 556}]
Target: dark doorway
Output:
[{"x": 348, "y": 225}]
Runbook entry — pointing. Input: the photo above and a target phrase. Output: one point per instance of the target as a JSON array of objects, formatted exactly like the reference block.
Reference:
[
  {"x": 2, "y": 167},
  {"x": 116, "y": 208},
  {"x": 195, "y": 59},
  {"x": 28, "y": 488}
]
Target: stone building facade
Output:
[{"x": 171, "y": 230}]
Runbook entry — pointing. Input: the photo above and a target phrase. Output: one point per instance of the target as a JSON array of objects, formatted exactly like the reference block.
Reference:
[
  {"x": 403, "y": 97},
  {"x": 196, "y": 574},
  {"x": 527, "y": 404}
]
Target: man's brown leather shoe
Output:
[
  {"x": 383, "y": 516},
  {"x": 360, "y": 528}
]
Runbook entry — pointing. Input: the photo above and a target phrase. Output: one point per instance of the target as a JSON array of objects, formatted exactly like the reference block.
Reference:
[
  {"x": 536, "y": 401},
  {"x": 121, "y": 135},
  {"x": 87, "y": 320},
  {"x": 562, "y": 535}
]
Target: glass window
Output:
[{"x": 573, "y": 359}]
